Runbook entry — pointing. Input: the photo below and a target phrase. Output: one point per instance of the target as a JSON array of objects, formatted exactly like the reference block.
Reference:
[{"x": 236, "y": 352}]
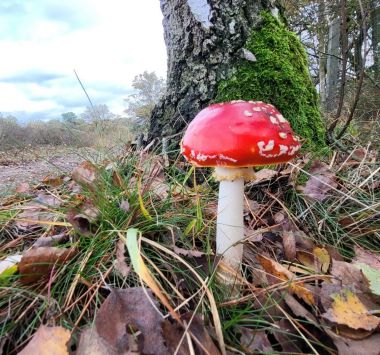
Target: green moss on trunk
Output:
[{"x": 279, "y": 76}]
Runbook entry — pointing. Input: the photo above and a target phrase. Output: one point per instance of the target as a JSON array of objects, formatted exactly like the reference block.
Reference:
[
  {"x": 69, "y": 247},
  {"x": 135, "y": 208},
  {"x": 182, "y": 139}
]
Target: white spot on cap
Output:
[
  {"x": 237, "y": 101},
  {"x": 248, "y": 113},
  {"x": 294, "y": 149},
  {"x": 283, "y": 149},
  {"x": 257, "y": 109},
  {"x": 270, "y": 145},
  {"x": 265, "y": 148},
  {"x": 283, "y": 135},
  {"x": 281, "y": 118},
  {"x": 203, "y": 157},
  {"x": 192, "y": 154},
  {"x": 223, "y": 157},
  {"x": 273, "y": 119}
]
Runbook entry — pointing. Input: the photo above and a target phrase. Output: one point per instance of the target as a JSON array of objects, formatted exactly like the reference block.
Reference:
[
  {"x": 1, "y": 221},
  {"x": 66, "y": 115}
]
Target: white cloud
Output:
[{"x": 107, "y": 43}]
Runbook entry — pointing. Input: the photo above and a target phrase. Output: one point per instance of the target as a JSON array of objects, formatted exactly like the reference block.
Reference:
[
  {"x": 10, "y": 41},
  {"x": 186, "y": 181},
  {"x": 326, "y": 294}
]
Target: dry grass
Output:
[{"x": 176, "y": 218}]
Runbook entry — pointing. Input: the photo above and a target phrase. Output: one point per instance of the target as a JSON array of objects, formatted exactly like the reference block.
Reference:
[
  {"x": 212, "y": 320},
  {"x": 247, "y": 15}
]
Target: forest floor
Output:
[
  {"x": 129, "y": 232},
  {"x": 32, "y": 165}
]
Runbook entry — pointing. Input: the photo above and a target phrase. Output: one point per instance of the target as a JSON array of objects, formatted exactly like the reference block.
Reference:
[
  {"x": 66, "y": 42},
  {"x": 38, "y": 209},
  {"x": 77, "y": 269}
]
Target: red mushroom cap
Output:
[{"x": 239, "y": 134}]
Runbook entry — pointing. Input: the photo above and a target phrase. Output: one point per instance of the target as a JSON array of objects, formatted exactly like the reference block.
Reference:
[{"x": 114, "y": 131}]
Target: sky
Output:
[{"x": 42, "y": 42}]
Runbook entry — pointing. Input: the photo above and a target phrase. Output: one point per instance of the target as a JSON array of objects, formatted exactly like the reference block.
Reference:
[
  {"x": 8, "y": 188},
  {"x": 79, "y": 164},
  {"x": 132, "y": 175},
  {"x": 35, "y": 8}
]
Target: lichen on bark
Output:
[{"x": 279, "y": 76}]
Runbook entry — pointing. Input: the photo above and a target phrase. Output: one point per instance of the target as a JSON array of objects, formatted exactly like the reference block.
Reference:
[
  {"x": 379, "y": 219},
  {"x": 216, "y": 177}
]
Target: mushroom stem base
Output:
[{"x": 229, "y": 224}]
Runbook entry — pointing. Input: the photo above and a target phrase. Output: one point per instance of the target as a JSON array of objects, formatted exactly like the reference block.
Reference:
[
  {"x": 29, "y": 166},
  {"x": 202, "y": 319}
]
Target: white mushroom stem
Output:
[{"x": 229, "y": 223}]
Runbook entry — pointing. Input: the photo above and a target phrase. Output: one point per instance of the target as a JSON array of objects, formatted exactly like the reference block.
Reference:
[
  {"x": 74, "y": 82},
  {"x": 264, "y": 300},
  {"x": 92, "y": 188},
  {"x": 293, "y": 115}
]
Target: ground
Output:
[
  {"x": 73, "y": 250},
  {"x": 32, "y": 165}
]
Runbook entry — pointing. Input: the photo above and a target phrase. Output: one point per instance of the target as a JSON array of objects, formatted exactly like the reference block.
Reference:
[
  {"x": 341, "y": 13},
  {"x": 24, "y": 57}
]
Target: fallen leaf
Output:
[
  {"x": 91, "y": 343},
  {"x": 334, "y": 253},
  {"x": 48, "y": 200},
  {"x": 279, "y": 217},
  {"x": 124, "y": 205},
  {"x": 287, "y": 336},
  {"x": 368, "y": 346},
  {"x": 173, "y": 333},
  {"x": 263, "y": 175},
  {"x": 251, "y": 205},
  {"x": 74, "y": 187},
  {"x": 53, "y": 181},
  {"x": 188, "y": 253},
  {"x": 210, "y": 209},
  {"x": 130, "y": 311},
  {"x": 85, "y": 173},
  {"x": 303, "y": 241},
  {"x": 254, "y": 341},
  {"x": 372, "y": 275},
  {"x": 38, "y": 262},
  {"x": 289, "y": 243},
  {"x": 159, "y": 187},
  {"x": 23, "y": 188},
  {"x": 365, "y": 257},
  {"x": 299, "y": 310},
  {"x": 51, "y": 241},
  {"x": 120, "y": 264},
  {"x": 320, "y": 183},
  {"x": 322, "y": 258},
  {"x": 80, "y": 224},
  {"x": 83, "y": 216},
  {"x": 253, "y": 236},
  {"x": 348, "y": 310},
  {"x": 198, "y": 329},
  {"x": 306, "y": 258},
  {"x": 37, "y": 211},
  {"x": 48, "y": 341},
  {"x": 154, "y": 177},
  {"x": 347, "y": 275},
  {"x": 318, "y": 259},
  {"x": 32, "y": 218},
  {"x": 89, "y": 211},
  {"x": 280, "y": 274}
]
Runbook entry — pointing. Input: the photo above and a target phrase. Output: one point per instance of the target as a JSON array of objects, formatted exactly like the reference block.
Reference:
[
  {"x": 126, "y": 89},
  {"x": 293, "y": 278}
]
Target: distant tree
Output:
[
  {"x": 375, "y": 19},
  {"x": 97, "y": 113},
  {"x": 11, "y": 133},
  {"x": 69, "y": 117},
  {"x": 148, "y": 90}
]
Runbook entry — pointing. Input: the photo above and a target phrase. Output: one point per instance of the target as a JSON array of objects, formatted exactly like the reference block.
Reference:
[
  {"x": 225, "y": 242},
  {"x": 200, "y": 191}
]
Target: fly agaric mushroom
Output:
[{"x": 233, "y": 137}]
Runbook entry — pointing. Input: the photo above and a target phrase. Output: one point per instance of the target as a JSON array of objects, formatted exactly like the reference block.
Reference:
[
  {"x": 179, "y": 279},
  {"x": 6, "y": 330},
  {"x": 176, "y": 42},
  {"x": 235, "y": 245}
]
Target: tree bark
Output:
[
  {"x": 333, "y": 63},
  {"x": 321, "y": 34},
  {"x": 203, "y": 38},
  {"x": 375, "y": 24}
]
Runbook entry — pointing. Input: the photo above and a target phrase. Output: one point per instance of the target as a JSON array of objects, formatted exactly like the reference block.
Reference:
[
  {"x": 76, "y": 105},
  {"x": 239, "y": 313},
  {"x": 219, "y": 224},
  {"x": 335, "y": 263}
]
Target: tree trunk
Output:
[
  {"x": 358, "y": 45},
  {"x": 375, "y": 19},
  {"x": 333, "y": 63},
  {"x": 321, "y": 34},
  {"x": 203, "y": 38},
  {"x": 221, "y": 50}
]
